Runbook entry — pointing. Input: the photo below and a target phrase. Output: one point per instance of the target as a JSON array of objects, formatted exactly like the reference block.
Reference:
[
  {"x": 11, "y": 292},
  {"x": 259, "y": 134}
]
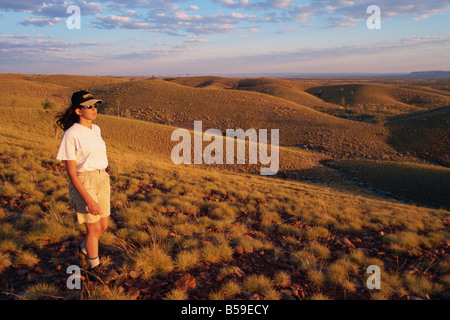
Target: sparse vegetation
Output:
[{"x": 311, "y": 235}]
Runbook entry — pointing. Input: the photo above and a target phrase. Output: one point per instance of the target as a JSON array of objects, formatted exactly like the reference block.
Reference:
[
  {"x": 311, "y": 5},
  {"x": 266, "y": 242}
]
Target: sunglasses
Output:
[{"x": 87, "y": 107}]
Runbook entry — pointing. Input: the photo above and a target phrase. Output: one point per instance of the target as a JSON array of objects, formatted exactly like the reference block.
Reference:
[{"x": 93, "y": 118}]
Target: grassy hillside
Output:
[
  {"x": 286, "y": 89},
  {"x": 189, "y": 232},
  {"x": 169, "y": 103},
  {"x": 424, "y": 133},
  {"x": 30, "y": 91},
  {"x": 359, "y": 101},
  {"x": 73, "y": 82},
  {"x": 376, "y": 101},
  {"x": 225, "y": 231},
  {"x": 205, "y": 81},
  {"x": 425, "y": 185},
  {"x": 19, "y": 93}
]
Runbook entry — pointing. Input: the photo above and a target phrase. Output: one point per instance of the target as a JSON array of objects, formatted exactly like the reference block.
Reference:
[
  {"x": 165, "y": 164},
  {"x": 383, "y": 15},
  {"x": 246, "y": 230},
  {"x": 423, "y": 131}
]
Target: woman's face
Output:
[{"x": 88, "y": 114}]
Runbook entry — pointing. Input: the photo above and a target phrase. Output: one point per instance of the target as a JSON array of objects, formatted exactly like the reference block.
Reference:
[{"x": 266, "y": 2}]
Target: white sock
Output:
[
  {"x": 83, "y": 247},
  {"x": 93, "y": 262}
]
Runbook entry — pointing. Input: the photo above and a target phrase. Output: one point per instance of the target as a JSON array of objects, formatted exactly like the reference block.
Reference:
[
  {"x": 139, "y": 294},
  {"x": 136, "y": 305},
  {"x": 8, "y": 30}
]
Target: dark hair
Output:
[{"x": 68, "y": 117}]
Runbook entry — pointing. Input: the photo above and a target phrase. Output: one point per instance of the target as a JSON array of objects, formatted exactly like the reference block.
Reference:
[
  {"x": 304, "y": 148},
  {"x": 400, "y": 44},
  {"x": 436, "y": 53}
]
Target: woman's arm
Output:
[{"x": 71, "y": 167}]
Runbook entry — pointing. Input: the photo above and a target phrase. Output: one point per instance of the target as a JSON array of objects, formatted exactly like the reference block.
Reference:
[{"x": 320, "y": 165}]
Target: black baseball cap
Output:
[{"x": 84, "y": 98}]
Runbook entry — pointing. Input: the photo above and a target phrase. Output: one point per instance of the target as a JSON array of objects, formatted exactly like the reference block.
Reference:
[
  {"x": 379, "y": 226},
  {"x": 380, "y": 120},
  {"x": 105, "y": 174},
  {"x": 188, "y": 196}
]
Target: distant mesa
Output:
[{"x": 430, "y": 74}]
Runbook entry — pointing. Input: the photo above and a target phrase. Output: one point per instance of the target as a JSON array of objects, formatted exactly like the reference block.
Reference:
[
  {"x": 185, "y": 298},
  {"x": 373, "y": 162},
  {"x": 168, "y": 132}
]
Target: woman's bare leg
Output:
[{"x": 94, "y": 231}]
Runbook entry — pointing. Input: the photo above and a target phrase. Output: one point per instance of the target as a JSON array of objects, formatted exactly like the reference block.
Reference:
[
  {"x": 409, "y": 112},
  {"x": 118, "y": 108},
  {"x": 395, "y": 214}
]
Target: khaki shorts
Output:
[{"x": 97, "y": 184}]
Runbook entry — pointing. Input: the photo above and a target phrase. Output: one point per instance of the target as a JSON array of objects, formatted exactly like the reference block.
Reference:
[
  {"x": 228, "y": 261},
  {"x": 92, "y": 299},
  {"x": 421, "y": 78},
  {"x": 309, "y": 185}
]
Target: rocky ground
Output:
[{"x": 198, "y": 283}]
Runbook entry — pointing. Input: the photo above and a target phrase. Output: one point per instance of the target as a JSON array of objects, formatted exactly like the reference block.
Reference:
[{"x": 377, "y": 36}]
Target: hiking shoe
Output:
[
  {"x": 96, "y": 274},
  {"x": 101, "y": 274}
]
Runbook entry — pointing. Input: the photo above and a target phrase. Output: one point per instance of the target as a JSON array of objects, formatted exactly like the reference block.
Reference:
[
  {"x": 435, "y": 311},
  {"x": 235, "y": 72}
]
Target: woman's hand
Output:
[{"x": 93, "y": 207}]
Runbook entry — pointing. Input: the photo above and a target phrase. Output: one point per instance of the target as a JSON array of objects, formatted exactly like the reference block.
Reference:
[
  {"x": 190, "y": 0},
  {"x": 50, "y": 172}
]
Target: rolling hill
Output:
[
  {"x": 169, "y": 103},
  {"x": 216, "y": 232},
  {"x": 424, "y": 133},
  {"x": 357, "y": 101},
  {"x": 293, "y": 91},
  {"x": 353, "y": 94}
]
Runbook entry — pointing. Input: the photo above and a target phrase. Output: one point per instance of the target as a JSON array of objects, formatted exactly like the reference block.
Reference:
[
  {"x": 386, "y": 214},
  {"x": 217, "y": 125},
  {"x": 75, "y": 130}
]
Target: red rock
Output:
[
  {"x": 255, "y": 296},
  {"x": 38, "y": 270},
  {"x": 186, "y": 282},
  {"x": 239, "y": 250},
  {"x": 348, "y": 242},
  {"x": 220, "y": 277},
  {"x": 239, "y": 272}
]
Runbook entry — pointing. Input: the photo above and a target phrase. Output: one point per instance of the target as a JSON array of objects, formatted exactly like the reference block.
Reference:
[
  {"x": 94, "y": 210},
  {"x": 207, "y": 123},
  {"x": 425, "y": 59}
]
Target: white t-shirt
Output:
[{"x": 84, "y": 145}]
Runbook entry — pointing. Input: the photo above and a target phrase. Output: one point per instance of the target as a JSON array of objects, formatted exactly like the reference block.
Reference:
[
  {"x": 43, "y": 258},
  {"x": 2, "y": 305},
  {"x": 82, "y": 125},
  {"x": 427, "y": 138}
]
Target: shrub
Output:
[
  {"x": 230, "y": 289},
  {"x": 282, "y": 279},
  {"x": 304, "y": 260},
  {"x": 319, "y": 296},
  {"x": 109, "y": 293},
  {"x": 316, "y": 277},
  {"x": 176, "y": 294},
  {"x": 151, "y": 261},
  {"x": 257, "y": 283},
  {"x": 48, "y": 105},
  {"x": 319, "y": 250},
  {"x": 217, "y": 253},
  {"x": 41, "y": 291},
  {"x": 420, "y": 285},
  {"x": 187, "y": 259},
  {"x": 339, "y": 274},
  {"x": 27, "y": 258}
]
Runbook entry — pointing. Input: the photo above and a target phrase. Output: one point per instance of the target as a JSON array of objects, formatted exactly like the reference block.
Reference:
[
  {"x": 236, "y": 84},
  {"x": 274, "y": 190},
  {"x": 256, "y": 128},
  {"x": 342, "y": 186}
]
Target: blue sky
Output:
[{"x": 220, "y": 37}]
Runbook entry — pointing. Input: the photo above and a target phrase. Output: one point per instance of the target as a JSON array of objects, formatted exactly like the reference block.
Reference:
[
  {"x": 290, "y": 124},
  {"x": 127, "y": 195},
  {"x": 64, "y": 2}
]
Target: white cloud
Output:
[
  {"x": 280, "y": 4},
  {"x": 114, "y": 21},
  {"x": 40, "y": 22},
  {"x": 27, "y": 49},
  {"x": 303, "y": 13}
]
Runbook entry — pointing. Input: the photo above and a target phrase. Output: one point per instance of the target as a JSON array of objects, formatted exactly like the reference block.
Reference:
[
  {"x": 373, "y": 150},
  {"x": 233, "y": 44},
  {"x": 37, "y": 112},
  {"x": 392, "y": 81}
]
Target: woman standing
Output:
[{"x": 84, "y": 151}]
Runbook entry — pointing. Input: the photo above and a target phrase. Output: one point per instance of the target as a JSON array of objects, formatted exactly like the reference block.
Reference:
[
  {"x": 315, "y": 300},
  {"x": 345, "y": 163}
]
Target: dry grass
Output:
[
  {"x": 424, "y": 184},
  {"x": 152, "y": 261},
  {"x": 423, "y": 133},
  {"x": 171, "y": 219}
]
